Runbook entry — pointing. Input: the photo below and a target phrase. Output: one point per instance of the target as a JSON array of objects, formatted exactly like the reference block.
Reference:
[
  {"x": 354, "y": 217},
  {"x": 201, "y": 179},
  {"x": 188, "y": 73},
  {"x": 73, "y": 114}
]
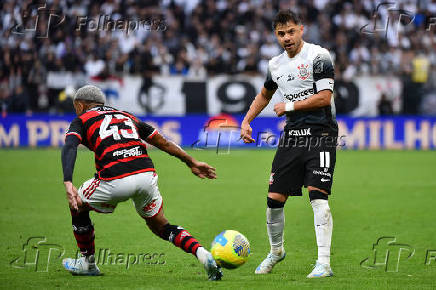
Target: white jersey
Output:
[{"x": 298, "y": 78}]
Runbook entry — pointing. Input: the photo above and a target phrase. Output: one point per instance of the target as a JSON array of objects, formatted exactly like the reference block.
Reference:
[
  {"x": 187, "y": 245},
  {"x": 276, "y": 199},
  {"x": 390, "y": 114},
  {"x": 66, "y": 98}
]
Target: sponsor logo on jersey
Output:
[
  {"x": 128, "y": 152},
  {"x": 303, "y": 71},
  {"x": 295, "y": 96},
  {"x": 324, "y": 179},
  {"x": 316, "y": 172},
  {"x": 300, "y": 132}
]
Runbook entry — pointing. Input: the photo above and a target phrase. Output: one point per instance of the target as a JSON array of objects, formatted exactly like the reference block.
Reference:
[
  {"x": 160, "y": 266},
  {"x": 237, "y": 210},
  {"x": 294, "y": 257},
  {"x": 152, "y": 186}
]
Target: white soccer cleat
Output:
[
  {"x": 214, "y": 272},
  {"x": 83, "y": 266},
  {"x": 320, "y": 271},
  {"x": 266, "y": 266}
]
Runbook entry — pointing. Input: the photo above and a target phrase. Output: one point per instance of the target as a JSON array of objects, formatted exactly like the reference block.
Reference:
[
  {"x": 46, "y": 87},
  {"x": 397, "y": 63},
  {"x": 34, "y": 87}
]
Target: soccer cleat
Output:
[
  {"x": 266, "y": 266},
  {"x": 214, "y": 272},
  {"x": 320, "y": 271},
  {"x": 83, "y": 266}
]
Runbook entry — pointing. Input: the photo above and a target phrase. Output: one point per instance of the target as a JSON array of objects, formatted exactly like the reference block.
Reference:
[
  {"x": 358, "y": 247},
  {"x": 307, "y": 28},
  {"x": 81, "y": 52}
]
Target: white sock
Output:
[
  {"x": 275, "y": 222},
  {"x": 202, "y": 255},
  {"x": 323, "y": 229}
]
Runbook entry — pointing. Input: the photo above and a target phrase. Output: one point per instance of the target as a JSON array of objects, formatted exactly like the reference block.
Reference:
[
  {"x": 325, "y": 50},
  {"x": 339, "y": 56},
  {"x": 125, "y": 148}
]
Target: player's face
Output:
[{"x": 290, "y": 37}]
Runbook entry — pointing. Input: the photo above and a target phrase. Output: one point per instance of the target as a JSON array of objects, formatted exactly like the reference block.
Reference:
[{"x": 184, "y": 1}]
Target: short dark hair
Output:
[{"x": 284, "y": 16}]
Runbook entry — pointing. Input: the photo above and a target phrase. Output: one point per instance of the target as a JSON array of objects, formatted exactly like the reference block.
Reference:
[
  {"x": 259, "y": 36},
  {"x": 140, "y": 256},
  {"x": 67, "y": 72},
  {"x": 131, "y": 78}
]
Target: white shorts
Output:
[{"x": 103, "y": 196}]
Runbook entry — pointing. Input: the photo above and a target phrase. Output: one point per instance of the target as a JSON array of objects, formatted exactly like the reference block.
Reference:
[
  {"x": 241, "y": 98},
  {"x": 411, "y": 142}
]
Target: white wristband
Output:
[{"x": 289, "y": 106}]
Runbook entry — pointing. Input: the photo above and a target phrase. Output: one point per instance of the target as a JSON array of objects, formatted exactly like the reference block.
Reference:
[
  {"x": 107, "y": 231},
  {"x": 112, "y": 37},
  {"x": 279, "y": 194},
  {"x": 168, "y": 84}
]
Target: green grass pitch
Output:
[{"x": 375, "y": 194}]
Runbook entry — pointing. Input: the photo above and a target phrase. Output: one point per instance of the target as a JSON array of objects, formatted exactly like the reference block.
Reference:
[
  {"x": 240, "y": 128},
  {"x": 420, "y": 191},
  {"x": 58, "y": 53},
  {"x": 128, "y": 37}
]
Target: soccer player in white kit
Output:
[{"x": 306, "y": 154}]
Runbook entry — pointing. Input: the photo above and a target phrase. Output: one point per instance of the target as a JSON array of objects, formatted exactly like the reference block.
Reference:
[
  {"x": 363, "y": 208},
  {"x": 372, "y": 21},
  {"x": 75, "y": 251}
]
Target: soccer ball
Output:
[{"x": 230, "y": 249}]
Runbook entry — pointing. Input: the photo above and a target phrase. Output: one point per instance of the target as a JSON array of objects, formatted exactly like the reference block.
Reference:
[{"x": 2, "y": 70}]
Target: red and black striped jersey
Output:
[{"x": 117, "y": 139}]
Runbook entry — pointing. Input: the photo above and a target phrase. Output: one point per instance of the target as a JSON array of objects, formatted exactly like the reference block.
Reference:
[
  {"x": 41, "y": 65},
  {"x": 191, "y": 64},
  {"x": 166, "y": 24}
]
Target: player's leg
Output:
[
  {"x": 175, "y": 234},
  {"x": 83, "y": 231},
  {"x": 95, "y": 195},
  {"x": 323, "y": 223},
  {"x": 275, "y": 223},
  {"x": 84, "y": 234},
  {"x": 286, "y": 179},
  {"x": 181, "y": 238},
  {"x": 148, "y": 204},
  {"x": 319, "y": 179}
]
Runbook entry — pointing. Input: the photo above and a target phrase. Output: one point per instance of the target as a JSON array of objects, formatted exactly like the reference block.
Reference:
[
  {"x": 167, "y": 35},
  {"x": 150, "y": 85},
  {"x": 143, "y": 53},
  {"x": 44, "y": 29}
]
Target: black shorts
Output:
[{"x": 303, "y": 161}]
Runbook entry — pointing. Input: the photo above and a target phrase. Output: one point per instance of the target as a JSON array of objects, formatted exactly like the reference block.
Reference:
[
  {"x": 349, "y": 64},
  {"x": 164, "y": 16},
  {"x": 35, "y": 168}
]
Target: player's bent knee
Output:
[
  {"x": 316, "y": 194},
  {"x": 277, "y": 196},
  {"x": 272, "y": 203}
]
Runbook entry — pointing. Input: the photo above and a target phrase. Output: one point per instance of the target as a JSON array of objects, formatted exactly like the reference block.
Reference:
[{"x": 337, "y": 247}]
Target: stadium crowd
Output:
[{"x": 200, "y": 38}]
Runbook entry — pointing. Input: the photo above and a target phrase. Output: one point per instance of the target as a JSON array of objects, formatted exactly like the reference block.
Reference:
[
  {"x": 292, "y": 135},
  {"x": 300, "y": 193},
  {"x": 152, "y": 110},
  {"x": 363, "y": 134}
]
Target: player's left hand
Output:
[
  {"x": 279, "y": 108},
  {"x": 74, "y": 200},
  {"x": 203, "y": 170}
]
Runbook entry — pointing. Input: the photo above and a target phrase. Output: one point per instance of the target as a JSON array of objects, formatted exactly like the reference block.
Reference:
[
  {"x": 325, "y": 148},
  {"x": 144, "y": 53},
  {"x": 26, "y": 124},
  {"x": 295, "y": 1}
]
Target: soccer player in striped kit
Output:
[{"x": 124, "y": 171}]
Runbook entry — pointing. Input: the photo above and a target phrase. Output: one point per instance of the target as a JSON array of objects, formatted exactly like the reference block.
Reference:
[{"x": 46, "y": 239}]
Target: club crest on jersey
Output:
[{"x": 303, "y": 71}]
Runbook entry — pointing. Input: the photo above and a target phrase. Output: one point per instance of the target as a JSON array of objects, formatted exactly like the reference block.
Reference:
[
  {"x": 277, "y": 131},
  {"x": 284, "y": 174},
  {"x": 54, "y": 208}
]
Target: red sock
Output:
[
  {"x": 186, "y": 242},
  {"x": 85, "y": 242},
  {"x": 180, "y": 238},
  {"x": 83, "y": 232}
]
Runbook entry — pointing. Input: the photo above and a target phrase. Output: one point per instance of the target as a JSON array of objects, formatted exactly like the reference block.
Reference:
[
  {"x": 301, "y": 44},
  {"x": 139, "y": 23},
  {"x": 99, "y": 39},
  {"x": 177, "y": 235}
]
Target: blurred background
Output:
[{"x": 180, "y": 63}]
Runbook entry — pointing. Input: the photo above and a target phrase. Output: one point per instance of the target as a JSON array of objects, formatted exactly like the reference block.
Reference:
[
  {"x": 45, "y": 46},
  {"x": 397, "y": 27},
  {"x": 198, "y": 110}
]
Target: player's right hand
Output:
[
  {"x": 246, "y": 131},
  {"x": 74, "y": 200},
  {"x": 203, "y": 170}
]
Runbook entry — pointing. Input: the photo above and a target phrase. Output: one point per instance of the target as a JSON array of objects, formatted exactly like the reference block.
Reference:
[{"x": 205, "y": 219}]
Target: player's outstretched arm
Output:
[
  {"x": 68, "y": 157},
  {"x": 259, "y": 103},
  {"x": 200, "y": 169}
]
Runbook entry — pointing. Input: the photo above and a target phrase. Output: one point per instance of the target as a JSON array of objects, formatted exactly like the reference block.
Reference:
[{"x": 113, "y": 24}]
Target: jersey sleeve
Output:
[
  {"x": 76, "y": 129},
  {"x": 270, "y": 84},
  {"x": 68, "y": 156},
  {"x": 145, "y": 130},
  {"x": 323, "y": 72}
]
